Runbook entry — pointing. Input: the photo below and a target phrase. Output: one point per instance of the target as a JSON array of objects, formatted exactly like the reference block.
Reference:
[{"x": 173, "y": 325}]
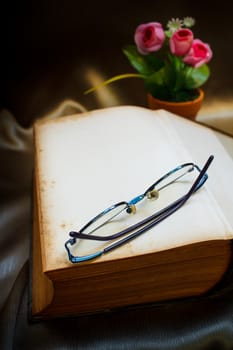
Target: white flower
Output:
[
  {"x": 188, "y": 22},
  {"x": 174, "y": 24}
]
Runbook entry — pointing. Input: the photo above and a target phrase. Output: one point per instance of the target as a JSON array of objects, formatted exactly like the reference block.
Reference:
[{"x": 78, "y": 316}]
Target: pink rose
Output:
[
  {"x": 199, "y": 54},
  {"x": 181, "y": 41},
  {"x": 149, "y": 37}
]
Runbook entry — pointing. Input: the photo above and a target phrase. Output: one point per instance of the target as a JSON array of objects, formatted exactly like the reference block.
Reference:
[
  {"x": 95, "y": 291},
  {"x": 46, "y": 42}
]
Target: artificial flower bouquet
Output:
[{"x": 172, "y": 62}]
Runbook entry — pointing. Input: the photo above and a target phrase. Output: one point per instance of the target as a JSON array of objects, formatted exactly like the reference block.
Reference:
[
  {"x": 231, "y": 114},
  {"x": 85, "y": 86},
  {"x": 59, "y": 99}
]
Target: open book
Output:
[{"x": 87, "y": 162}]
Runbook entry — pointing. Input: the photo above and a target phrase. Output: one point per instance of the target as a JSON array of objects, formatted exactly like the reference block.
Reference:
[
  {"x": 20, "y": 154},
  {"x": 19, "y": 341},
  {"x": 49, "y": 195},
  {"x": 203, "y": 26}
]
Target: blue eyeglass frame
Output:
[
  {"x": 143, "y": 225},
  {"x": 130, "y": 206}
]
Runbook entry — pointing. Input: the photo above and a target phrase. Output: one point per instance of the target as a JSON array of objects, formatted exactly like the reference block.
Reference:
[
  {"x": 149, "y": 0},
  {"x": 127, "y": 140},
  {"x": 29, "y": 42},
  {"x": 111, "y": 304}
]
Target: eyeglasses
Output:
[{"x": 153, "y": 192}]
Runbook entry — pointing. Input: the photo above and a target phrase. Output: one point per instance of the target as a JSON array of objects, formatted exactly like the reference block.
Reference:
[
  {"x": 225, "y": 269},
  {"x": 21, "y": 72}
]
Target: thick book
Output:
[{"x": 87, "y": 162}]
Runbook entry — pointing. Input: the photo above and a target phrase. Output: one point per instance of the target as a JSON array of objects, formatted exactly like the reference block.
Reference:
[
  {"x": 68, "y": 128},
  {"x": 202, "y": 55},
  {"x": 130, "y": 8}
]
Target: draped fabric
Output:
[{"x": 193, "y": 323}]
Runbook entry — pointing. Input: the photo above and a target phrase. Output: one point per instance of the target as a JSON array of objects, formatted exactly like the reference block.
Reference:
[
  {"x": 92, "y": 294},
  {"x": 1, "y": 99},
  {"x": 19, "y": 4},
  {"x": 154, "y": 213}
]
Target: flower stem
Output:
[{"x": 113, "y": 79}]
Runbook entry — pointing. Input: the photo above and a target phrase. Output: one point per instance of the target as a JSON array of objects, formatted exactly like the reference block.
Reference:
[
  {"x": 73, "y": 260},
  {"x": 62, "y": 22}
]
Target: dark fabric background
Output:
[
  {"x": 52, "y": 51},
  {"x": 49, "y": 49}
]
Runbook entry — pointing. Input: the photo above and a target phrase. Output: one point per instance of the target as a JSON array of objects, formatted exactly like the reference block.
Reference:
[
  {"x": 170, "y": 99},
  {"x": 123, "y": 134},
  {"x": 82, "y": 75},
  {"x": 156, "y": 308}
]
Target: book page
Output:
[
  {"x": 88, "y": 162},
  {"x": 200, "y": 142}
]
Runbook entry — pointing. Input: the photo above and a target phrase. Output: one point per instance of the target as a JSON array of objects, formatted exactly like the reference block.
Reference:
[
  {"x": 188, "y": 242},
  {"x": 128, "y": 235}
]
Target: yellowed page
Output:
[{"x": 90, "y": 161}]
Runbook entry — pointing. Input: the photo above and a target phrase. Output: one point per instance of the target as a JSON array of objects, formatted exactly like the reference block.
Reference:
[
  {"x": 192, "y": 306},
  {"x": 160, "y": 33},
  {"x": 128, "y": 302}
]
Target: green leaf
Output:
[
  {"x": 144, "y": 64},
  {"x": 168, "y": 84},
  {"x": 156, "y": 84},
  {"x": 195, "y": 77}
]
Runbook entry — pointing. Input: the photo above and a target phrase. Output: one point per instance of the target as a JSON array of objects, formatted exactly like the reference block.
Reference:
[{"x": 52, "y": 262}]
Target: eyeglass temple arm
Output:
[
  {"x": 201, "y": 178},
  {"x": 130, "y": 207},
  {"x": 164, "y": 214},
  {"x": 178, "y": 204},
  {"x": 85, "y": 236}
]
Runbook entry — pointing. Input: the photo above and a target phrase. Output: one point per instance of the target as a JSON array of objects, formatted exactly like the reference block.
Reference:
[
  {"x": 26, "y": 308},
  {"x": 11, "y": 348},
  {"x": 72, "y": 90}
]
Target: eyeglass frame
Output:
[{"x": 150, "y": 221}]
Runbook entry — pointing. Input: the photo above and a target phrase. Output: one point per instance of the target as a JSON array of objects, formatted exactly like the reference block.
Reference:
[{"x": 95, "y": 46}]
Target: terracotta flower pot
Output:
[{"x": 188, "y": 109}]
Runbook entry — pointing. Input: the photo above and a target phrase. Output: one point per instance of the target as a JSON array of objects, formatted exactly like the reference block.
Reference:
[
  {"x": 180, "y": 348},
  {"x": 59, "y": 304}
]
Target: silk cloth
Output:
[{"x": 194, "y": 323}]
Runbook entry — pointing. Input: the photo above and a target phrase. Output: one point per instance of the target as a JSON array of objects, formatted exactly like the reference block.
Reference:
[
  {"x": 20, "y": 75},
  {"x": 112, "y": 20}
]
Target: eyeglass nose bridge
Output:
[{"x": 131, "y": 208}]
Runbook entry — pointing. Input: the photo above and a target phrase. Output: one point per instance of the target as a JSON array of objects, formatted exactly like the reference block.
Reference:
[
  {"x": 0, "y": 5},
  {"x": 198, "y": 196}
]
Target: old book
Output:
[{"x": 87, "y": 162}]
